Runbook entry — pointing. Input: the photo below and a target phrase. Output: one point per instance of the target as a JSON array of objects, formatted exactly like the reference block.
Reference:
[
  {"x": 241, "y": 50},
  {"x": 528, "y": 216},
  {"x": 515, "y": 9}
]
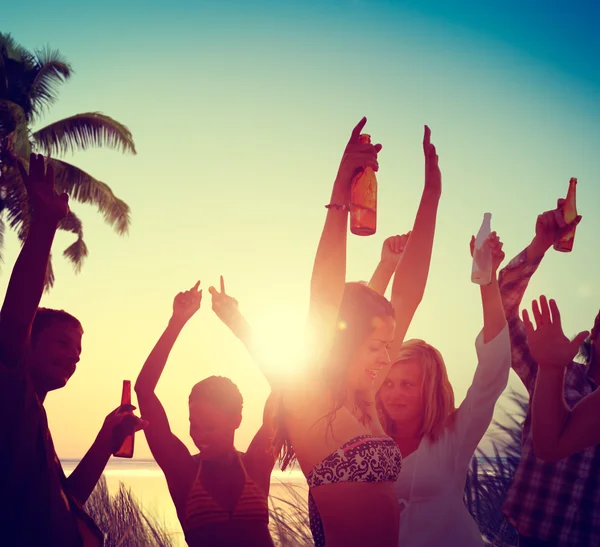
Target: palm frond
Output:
[
  {"x": 77, "y": 251},
  {"x": 13, "y": 50},
  {"x": 14, "y": 135},
  {"x": 16, "y": 204},
  {"x": 49, "y": 282},
  {"x": 83, "y": 131},
  {"x": 84, "y": 188},
  {"x": 2, "y": 230},
  {"x": 52, "y": 69}
]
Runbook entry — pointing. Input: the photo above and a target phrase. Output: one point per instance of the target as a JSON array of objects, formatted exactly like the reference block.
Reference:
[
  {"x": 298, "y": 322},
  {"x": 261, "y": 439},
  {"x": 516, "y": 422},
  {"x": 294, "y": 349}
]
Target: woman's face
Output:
[
  {"x": 212, "y": 429},
  {"x": 401, "y": 393},
  {"x": 372, "y": 355}
]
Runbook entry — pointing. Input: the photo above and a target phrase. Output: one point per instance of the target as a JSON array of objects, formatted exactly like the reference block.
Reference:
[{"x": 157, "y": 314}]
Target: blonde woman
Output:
[{"x": 437, "y": 441}]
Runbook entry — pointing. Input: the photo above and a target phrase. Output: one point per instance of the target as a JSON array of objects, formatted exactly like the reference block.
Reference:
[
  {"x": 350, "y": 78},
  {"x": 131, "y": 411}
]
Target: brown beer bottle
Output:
[
  {"x": 569, "y": 211},
  {"x": 126, "y": 450},
  {"x": 363, "y": 199}
]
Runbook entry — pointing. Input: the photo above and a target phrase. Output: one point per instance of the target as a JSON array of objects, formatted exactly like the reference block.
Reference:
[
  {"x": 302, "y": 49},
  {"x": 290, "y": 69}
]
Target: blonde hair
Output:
[{"x": 436, "y": 388}]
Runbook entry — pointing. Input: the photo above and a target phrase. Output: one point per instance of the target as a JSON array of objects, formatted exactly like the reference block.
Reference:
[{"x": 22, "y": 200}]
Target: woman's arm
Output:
[
  {"x": 167, "y": 449},
  {"x": 474, "y": 415},
  {"x": 391, "y": 253},
  {"x": 557, "y": 431},
  {"x": 411, "y": 274},
  {"x": 329, "y": 269}
]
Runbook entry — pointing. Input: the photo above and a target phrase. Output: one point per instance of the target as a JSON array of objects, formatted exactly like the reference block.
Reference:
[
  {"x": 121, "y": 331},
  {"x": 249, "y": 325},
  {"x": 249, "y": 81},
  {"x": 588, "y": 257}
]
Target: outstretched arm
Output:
[
  {"x": 27, "y": 280},
  {"x": 514, "y": 280},
  {"x": 117, "y": 426},
  {"x": 491, "y": 376},
  {"x": 391, "y": 253},
  {"x": 411, "y": 274},
  {"x": 558, "y": 432},
  {"x": 168, "y": 451}
]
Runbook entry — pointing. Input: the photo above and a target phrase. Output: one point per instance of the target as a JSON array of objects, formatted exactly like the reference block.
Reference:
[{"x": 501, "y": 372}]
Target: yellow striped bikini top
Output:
[{"x": 201, "y": 509}]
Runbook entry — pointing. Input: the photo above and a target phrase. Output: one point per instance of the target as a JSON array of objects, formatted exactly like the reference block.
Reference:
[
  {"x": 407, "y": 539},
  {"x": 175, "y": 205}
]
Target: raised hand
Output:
[
  {"x": 393, "y": 248},
  {"x": 547, "y": 342},
  {"x": 550, "y": 226},
  {"x": 433, "y": 175},
  {"x": 186, "y": 304},
  {"x": 495, "y": 246},
  {"x": 356, "y": 156},
  {"x": 118, "y": 425},
  {"x": 44, "y": 202},
  {"x": 225, "y": 306}
]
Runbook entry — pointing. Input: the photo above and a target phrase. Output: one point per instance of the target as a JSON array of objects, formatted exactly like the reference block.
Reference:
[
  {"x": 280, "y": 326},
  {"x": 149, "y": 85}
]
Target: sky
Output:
[{"x": 240, "y": 112}]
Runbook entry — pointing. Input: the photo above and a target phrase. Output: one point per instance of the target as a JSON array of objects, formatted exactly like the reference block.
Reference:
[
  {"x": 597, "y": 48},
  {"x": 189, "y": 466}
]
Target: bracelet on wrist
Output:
[{"x": 337, "y": 207}]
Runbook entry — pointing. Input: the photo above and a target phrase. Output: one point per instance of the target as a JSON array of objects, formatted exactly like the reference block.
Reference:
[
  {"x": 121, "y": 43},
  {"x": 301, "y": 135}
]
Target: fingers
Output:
[
  {"x": 195, "y": 287},
  {"x": 537, "y": 314},
  {"x": 222, "y": 284},
  {"x": 49, "y": 174},
  {"x": 560, "y": 202},
  {"x": 529, "y": 330},
  {"x": 378, "y": 148},
  {"x": 545, "y": 309},
  {"x": 595, "y": 330},
  {"x": 213, "y": 291},
  {"x": 555, "y": 313},
  {"x": 580, "y": 338},
  {"x": 355, "y": 136},
  {"x": 22, "y": 171},
  {"x": 124, "y": 408},
  {"x": 426, "y": 138},
  {"x": 472, "y": 245}
]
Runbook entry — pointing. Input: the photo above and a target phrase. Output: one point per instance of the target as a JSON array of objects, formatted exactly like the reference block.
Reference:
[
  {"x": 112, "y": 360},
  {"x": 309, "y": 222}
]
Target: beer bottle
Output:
[
  {"x": 126, "y": 450},
  {"x": 569, "y": 211},
  {"x": 363, "y": 199}
]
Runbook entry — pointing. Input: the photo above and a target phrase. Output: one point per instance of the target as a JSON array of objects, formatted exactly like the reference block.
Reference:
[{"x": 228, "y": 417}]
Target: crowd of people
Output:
[{"x": 370, "y": 418}]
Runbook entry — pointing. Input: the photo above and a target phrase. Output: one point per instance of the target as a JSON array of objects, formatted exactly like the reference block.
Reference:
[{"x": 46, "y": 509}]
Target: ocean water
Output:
[{"x": 147, "y": 483}]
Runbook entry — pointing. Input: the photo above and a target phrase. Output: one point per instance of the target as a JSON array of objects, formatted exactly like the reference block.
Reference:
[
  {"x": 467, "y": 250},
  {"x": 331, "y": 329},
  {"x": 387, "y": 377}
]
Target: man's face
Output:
[{"x": 55, "y": 354}]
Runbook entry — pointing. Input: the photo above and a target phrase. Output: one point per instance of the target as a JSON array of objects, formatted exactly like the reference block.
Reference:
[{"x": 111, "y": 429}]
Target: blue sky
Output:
[{"x": 240, "y": 112}]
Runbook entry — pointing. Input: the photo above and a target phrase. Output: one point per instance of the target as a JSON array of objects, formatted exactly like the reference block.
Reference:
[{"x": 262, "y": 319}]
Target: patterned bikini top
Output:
[
  {"x": 366, "y": 458},
  {"x": 202, "y": 509}
]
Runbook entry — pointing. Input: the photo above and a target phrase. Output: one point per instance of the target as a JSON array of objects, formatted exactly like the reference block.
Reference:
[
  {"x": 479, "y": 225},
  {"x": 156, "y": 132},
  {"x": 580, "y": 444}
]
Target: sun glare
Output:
[{"x": 282, "y": 342}]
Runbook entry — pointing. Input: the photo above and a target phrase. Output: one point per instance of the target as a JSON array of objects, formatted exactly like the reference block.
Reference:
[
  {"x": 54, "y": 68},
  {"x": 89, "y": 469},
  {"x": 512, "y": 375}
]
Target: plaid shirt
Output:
[{"x": 558, "y": 502}]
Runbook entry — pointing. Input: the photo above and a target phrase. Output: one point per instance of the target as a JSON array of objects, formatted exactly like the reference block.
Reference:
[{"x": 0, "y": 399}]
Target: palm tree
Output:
[
  {"x": 28, "y": 86},
  {"x": 490, "y": 477}
]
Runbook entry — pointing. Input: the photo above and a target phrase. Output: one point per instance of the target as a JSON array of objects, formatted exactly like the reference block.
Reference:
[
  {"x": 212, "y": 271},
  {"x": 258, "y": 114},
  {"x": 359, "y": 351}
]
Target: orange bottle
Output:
[
  {"x": 363, "y": 199},
  {"x": 569, "y": 211},
  {"x": 126, "y": 450}
]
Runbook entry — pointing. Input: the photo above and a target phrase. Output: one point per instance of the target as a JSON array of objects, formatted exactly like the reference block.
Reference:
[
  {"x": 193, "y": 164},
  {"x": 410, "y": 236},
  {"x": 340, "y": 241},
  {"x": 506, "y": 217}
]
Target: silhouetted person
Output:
[
  {"x": 39, "y": 352},
  {"x": 220, "y": 494}
]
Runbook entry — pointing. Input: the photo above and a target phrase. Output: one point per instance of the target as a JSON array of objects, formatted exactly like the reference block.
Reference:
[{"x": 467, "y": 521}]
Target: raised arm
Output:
[
  {"x": 29, "y": 273},
  {"x": 514, "y": 280},
  {"x": 491, "y": 376},
  {"x": 411, "y": 274},
  {"x": 558, "y": 432},
  {"x": 227, "y": 310},
  {"x": 329, "y": 270},
  {"x": 391, "y": 253},
  {"x": 168, "y": 451}
]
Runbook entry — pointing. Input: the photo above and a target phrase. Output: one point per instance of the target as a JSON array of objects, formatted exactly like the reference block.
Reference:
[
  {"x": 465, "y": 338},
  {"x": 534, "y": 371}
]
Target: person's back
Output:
[{"x": 220, "y": 494}]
